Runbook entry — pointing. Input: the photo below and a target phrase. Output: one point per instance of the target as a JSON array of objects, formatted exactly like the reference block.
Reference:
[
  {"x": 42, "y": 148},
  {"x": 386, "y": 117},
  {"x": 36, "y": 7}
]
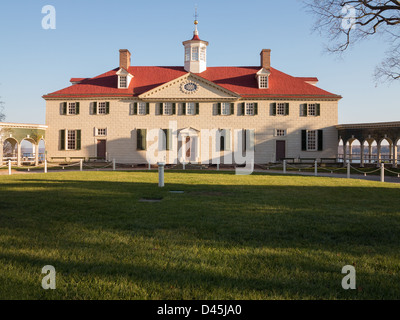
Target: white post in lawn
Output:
[
  {"x": 113, "y": 164},
  {"x": 284, "y": 166},
  {"x": 45, "y": 166},
  {"x": 9, "y": 167},
  {"x": 161, "y": 174},
  {"x": 348, "y": 169},
  {"x": 149, "y": 165},
  {"x": 184, "y": 165},
  {"x": 81, "y": 165},
  {"x": 382, "y": 172},
  {"x": 316, "y": 168}
]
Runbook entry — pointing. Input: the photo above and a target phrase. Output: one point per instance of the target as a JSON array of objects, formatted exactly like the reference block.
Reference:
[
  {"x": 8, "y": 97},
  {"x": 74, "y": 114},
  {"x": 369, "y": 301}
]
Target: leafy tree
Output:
[{"x": 346, "y": 22}]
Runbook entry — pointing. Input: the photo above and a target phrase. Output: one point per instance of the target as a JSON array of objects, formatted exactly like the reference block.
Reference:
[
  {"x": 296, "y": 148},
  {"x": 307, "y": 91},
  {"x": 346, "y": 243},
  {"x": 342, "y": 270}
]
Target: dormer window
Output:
[
  {"x": 263, "y": 82},
  {"x": 124, "y": 78},
  {"x": 262, "y": 77},
  {"x": 123, "y": 81}
]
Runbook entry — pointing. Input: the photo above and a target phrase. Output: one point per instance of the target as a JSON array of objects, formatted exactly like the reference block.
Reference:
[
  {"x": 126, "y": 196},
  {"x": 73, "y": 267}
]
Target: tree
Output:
[
  {"x": 2, "y": 115},
  {"x": 346, "y": 22}
]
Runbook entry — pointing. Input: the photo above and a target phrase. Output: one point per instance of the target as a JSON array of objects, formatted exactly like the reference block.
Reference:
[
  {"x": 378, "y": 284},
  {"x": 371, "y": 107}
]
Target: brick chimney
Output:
[
  {"x": 266, "y": 59},
  {"x": 124, "y": 59}
]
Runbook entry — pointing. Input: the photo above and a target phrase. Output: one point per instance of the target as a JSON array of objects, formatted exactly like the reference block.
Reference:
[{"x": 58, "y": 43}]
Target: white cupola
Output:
[{"x": 195, "y": 53}]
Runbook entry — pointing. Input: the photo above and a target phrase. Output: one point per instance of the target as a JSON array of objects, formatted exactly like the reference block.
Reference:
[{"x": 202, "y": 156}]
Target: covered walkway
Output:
[
  {"x": 378, "y": 143},
  {"x": 13, "y": 135}
]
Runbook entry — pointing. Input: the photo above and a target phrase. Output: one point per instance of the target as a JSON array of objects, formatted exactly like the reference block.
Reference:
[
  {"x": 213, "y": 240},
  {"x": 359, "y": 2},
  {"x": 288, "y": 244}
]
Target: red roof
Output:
[{"x": 240, "y": 80}]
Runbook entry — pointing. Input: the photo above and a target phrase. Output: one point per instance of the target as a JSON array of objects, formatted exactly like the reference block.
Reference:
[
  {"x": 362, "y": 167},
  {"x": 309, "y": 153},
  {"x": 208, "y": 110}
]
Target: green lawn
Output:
[{"x": 226, "y": 237}]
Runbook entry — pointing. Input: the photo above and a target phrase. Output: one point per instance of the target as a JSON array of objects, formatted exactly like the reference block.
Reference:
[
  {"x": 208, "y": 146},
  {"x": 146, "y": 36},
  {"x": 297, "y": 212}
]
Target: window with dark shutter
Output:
[
  {"x": 173, "y": 109},
  {"x": 242, "y": 109},
  {"x": 304, "y": 140},
  {"x": 147, "y": 108},
  {"x": 78, "y": 139},
  {"x": 320, "y": 140},
  {"x": 303, "y": 110},
  {"x": 135, "y": 108},
  {"x": 274, "y": 109},
  {"x": 62, "y": 139},
  {"x": 107, "y": 107},
  {"x": 197, "y": 108},
  {"x": 255, "y": 108},
  {"x": 232, "y": 108},
  {"x": 318, "y": 109},
  {"x": 286, "y": 109},
  {"x": 219, "y": 108},
  {"x": 94, "y": 111}
]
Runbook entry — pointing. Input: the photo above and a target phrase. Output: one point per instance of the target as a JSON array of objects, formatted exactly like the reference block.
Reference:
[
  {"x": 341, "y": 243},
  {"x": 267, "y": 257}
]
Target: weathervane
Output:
[{"x": 196, "y": 22}]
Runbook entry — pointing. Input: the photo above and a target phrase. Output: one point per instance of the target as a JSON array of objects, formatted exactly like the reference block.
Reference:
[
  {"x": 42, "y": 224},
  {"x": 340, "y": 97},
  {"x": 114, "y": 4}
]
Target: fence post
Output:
[
  {"x": 81, "y": 165},
  {"x": 382, "y": 172},
  {"x": 184, "y": 162},
  {"x": 9, "y": 167},
  {"x": 316, "y": 168},
  {"x": 348, "y": 169},
  {"x": 161, "y": 174},
  {"x": 45, "y": 165},
  {"x": 113, "y": 164},
  {"x": 284, "y": 166},
  {"x": 218, "y": 166}
]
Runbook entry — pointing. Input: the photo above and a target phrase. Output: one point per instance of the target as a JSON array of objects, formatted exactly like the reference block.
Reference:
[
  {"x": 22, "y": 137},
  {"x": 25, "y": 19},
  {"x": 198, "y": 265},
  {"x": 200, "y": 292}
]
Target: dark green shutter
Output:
[
  {"x": 141, "y": 139},
  {"x": 161, "y": 109},
  {"x": 274, "y": 109},
  {"x": 304, "y": 110},
  {"x": 184, "y": 108},
  {"x": 62, "y": 139},
  {"x": 232, "y": 108},
  {"x": 197, "y": 108},
  {"x": 64, "y": 108},
  {"x": 78, "y": 139},
  {"x": 320, "y": 140},
  {"x": 135, "y": 108},
  {"x": 304, "y": 140},
  {"x": 94, "y": 107},
  {"x": 219, "y": 109},
  {"x": 318, "y": 111},
  {"x": 255, "y": 108},
  {"x": 173, "y": 109},
  {"x": 77, "y": 107},
  {"x": 147, "y": 108},
  {"x": 242, "y": 108},
  {"x": 107, "y": 107},
  {"x": 286, "y": 109}
]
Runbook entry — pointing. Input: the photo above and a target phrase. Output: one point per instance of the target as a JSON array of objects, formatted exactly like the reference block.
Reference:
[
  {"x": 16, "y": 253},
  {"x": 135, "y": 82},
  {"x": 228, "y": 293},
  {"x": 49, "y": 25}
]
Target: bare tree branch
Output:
[{"x": 346, "y": 22}]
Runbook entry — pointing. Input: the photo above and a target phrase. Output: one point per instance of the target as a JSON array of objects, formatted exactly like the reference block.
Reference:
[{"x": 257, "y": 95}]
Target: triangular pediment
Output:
[{"x": 189, "y": 87}]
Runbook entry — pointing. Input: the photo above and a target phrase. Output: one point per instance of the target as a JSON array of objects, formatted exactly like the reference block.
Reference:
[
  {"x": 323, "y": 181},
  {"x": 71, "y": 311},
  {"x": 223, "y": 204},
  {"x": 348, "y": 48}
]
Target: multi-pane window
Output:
[
  {"x": 280, "y": 132},
  {"x": 71, "y": 139},
  {"x": 312, "y": 109},
  {"x": 249, "y": 109},
  {"x": 187, "y": 54},
  {"x": 226, "y": 108},
  {"x": 123, "y": 81},
  {"x": 281, "y": 109},
  {"x": 102, "y": 132},
  {"x": 190, "y": 108},
  {"x": 203, "y": 54},
  {"x": 102, "y": 108},
  {"x": 263, "y": 82},
  {"x": 168, "y": 108},
  {"x": 195, "y": 54},
  {"x": 311, "y": 140},
  {"x": 142, "y": 108},
  {"x": 71, "y": 108}
]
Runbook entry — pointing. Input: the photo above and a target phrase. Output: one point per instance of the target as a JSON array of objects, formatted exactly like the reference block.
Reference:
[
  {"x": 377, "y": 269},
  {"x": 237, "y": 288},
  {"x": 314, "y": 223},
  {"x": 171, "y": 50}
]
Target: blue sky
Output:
[{"x": 88, "y": 35}]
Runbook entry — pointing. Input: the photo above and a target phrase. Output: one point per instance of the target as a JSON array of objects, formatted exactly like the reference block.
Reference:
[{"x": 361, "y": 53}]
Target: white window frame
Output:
[
  {"x": 99, "y": 131},
  {"x": 141, "y": 108},
  {"x": 123, "y": 82},
  {"x": 187, "y": 54},
  {"x": 195, "y": 53},
  {"x": 281, "y": 109},
  {"x": 71, "y": 105},
  {"x": 191, "y": 106},
  {"x": 203, "y": 53},
  {"x": 101, "y": 106},
  {"x": 312, "y": 140},
  {"x": 167, "y": 108},
  {"x": 312, "y": 109},
  {"x": 249, "y": 109},
  {"x": 280, "y": 132},
  {"x": 226, "y": 108},
  {"x": 67, "y": 144},
  {"x": 263, "y": 82}
]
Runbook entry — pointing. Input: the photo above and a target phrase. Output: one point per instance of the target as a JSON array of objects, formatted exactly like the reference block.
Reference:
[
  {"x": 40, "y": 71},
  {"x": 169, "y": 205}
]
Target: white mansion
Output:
[{"x": 114, "y": 115}]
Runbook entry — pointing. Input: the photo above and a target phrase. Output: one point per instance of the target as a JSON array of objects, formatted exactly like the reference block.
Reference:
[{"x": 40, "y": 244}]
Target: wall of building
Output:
[{"x": 121, "y": 128}]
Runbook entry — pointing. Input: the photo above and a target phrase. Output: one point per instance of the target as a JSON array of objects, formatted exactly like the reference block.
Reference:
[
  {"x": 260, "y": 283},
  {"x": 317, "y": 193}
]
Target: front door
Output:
[
  {"x": 280, "y": 150},
  {"x": 101, "y": 149}
]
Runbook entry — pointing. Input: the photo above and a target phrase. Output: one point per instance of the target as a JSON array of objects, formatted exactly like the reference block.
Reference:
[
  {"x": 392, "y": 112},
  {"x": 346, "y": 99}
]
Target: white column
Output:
[
  {"x": 81, "y": 165},
  {"x": 9, "y": 167},
  {"x": 36, "y": 146},
  {"x": 382, "y": 172},
  {"x": 394, "y": 152},
  {"x": 19, "y": 154},
  {"x": 316, "y": 168}
]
